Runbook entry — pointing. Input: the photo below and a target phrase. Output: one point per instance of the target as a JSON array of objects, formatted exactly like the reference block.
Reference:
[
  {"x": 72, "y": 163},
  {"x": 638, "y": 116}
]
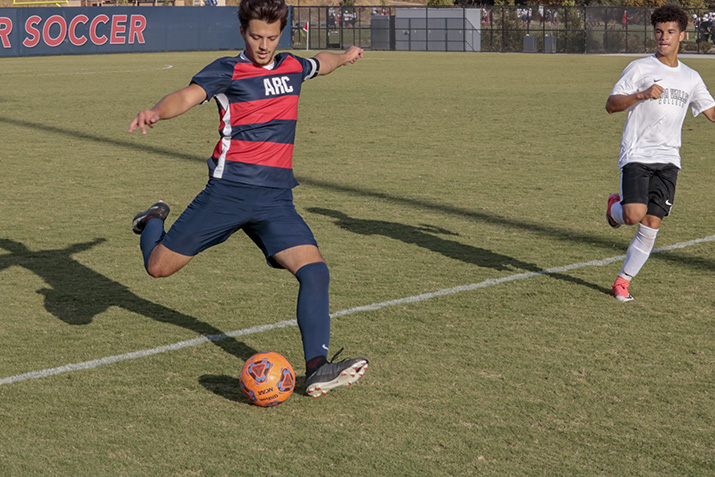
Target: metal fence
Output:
[
  {"x": 537, "y": 29},
  {"x": 333, "y": 27}
]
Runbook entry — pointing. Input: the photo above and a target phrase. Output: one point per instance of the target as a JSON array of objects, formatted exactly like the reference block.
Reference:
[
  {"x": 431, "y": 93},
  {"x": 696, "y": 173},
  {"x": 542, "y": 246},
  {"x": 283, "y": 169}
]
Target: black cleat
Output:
[
  {"x": 159, "y": 210},
  {"x": 331, "y": 375}
]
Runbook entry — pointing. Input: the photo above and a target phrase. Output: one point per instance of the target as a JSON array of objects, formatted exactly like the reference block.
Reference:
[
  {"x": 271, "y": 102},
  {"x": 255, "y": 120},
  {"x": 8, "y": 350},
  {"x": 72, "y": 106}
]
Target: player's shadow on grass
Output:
[
  {"x": 431, "y": 237},
  {"x": 555, "y": 233},
  {"x": 77, "y": 294}
]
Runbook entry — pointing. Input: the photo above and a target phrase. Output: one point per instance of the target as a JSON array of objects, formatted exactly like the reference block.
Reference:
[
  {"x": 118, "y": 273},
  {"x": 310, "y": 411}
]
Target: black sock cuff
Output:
[{"x": 314, "y": 363}]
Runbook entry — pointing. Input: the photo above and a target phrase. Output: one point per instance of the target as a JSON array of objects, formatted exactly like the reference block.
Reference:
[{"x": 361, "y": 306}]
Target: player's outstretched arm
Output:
[
  {"x": 710, "y": 114},
  {"x": 170, "y": 106},
  {"x": 329, "y": 61},
  {"x": 620, "y": 102}
]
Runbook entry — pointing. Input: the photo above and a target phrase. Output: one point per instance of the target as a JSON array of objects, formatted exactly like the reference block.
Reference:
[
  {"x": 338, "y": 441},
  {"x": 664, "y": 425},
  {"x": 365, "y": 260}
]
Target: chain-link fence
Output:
[
  {"x": 533, "y": 29},
  {"x": 628, "y": 30},
  {"x": 332, "y": 27}
]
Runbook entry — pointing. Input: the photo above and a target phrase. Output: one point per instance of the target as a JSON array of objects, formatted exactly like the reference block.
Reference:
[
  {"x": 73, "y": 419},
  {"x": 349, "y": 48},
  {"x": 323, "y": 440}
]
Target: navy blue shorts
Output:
[{"x": 265, "y": 214}]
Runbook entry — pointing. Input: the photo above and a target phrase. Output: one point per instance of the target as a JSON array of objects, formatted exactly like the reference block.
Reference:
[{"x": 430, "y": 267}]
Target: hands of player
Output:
[
  {"x": 330, "y": 61},
  {"x": 653, "y": 92},
  {"x": 148, "y": 117},
  {"x": 353, "y": 54},
  {"x": 170, "y": 106}
]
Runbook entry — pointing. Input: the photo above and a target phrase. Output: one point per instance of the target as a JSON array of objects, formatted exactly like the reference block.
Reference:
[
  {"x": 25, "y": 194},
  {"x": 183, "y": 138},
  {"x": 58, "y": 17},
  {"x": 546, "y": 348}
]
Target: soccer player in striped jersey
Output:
[
  {"x": 251, "y": 177},
  {"x": 657, "y": 92}
]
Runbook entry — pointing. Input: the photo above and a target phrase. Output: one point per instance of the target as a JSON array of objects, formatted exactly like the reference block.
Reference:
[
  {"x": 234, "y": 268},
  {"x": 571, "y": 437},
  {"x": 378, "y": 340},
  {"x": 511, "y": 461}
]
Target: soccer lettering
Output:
[
  {"x": 56, "y": 29},
  {"x": 136, "y": 29},
  {"x": 277, "y": 85},
  {"x": 118, "y": 29},
  {"x": 74, "y": 38},
  {"x": 5, "y": 30},
  {"x": 47, "y": 30},
  {"x": 34, "y": 33},
  {"x": 97, "y": 39}
]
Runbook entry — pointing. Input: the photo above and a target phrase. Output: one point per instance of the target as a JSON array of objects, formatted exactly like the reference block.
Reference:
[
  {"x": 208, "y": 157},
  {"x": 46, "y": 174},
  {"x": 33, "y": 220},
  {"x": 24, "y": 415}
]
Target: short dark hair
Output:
[
  {"x": 269, "y": 11},
  {"x": 670, "y": 13}
]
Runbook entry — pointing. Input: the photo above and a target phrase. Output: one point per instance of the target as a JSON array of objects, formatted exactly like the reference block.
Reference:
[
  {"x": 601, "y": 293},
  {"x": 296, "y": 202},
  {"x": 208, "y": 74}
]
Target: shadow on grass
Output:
[
  {"x": 573, "y": 236},
  {"x": 77, "y": 294},
  {"x": 431, "y": 238},
  {"x": 229, "y": 387},
  {"x": 566, "y": 235}
]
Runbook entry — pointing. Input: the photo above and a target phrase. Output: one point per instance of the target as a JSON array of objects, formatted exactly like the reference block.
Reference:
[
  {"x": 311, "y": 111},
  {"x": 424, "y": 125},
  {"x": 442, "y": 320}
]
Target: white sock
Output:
[
  {"x": 617, "y": 213},
  {"x": 638, "y": 251}
]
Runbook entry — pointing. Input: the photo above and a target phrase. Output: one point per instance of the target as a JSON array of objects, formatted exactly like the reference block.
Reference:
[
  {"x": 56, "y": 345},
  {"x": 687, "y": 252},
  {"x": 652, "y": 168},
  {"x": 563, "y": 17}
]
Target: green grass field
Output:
[{"x": 420, "y": 172}]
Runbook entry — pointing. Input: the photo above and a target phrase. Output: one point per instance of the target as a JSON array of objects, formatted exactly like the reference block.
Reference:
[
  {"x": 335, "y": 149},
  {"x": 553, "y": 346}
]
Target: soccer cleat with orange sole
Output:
[{"x": 619, "y": 290}]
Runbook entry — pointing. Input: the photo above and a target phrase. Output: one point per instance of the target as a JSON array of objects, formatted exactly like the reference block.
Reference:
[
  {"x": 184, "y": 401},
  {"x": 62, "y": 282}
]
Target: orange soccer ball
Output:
[{"x": 267, "y": 379}]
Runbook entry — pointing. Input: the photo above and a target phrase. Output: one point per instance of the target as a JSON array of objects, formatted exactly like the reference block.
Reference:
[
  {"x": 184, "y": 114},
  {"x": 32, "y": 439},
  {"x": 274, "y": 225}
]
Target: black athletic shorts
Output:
[{"x": 650, "y": 184}]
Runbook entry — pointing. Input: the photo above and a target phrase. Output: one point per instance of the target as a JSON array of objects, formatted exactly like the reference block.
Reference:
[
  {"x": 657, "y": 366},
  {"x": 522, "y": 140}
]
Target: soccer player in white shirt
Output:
[{"x": 656, "y": 91}]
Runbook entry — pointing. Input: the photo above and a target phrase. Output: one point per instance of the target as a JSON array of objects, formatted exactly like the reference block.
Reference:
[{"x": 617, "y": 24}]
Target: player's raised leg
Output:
[
  {"x": 159, "y": 210},
  {"x": 164, "y": 262},
  {"x": 159, "y": 261},
  {"x": 614, "y": 211}
]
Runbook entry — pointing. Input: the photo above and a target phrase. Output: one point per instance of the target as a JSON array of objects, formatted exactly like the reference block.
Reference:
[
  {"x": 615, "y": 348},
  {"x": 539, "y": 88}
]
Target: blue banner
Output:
[{"x": 70, "y": 31}]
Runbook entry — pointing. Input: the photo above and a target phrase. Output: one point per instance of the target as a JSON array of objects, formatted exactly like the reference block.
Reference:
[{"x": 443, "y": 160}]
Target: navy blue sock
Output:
[
  {"x": 314, "y": 309},
  {"x": 152, "y": 234}
]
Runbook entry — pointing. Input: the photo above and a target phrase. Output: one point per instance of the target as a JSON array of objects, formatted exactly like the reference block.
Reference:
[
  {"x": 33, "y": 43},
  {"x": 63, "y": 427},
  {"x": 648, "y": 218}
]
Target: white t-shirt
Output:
[{"x": 653, "y": 127}]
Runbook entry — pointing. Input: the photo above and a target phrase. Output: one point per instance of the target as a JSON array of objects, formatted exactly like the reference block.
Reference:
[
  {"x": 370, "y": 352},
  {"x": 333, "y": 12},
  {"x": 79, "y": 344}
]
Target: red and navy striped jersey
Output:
[{"x": 258, "y": 110}]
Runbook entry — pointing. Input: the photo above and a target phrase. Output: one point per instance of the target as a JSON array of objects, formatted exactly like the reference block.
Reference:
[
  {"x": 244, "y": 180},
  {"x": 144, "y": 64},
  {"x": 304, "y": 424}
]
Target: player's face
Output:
[
  {"x": 261, "y": 41},
  {"x": 668, "y": 37}
]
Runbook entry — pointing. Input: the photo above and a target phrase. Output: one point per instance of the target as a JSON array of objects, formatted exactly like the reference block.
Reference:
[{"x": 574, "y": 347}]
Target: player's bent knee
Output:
[
  {"x": 155, "y": 271},
  {"x": 316, "y": 273},
  {"x": 631, "y": 219},
  {"x": 634, "y": 213},
  {"x": 163, "y": 262}
]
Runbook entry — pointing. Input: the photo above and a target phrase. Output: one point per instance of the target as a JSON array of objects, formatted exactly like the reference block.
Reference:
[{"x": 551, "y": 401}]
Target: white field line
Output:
[
  {"x": 11, "y": 75},
  {"x": 351, "y": 311}
]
